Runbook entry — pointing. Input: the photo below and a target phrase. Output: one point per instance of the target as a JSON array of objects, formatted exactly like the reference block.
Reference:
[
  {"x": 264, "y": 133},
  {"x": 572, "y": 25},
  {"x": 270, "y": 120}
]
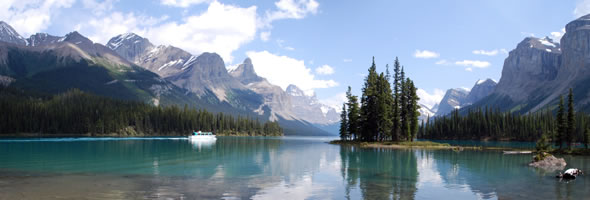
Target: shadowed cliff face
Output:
[
  {"x": 538, "y": 71},
  {"x": 534, "y": 61}
]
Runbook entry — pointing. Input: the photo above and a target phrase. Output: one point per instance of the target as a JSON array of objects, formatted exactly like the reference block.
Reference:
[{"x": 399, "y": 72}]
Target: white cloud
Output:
[
  {"x": 430, "y": 99},
  {"x": 469, "y": 64},
  {"x": 265, "y": 36},
  {"x": 556, "y": 36},
  {"x": 473, "y": 63},
  {"x": 183, "y": 3},
  {"x": 221, "y": 29},
  {"x": 504, "y": 51},
  {"x": 281, "y": 42},
  {"x": 30, "y": 17},
  {"x": 99, "y": 8},
  {"x": 324, "y": 70},
  {"x": 101, "y": 29},
  {"x": 335, "y": 101},
  {"x": 347, "y": 60},
  {"x": 426, "y": 54},
  {"x": 443, "y": 62},
  {"x": 291, "y": 9},
  {"x": 527, "y": 34},
  {"x": 582, "y": 8},
  {"x": 487, "y": 53},
  {"x": 283, "y": 70}
]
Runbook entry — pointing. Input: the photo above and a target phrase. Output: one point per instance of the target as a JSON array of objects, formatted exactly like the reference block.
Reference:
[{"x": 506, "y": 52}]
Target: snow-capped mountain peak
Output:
[
  {"x": 293, "y": 90},
  {"x": 128, "y": 38},
  {"x": 8, "y": 34}
]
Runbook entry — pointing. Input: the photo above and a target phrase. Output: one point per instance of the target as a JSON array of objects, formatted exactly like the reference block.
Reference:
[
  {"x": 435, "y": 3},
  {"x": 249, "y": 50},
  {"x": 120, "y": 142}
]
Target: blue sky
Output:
[{"x": 321, "y": 46}]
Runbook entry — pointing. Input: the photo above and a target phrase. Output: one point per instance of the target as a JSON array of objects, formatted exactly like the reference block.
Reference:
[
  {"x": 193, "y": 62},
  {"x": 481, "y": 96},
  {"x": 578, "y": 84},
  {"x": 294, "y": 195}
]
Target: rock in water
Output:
[{"x": 550, "y": 163}]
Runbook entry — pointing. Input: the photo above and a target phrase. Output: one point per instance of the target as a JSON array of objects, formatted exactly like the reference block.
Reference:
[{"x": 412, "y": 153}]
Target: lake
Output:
[{"x": 267, "y": 168}]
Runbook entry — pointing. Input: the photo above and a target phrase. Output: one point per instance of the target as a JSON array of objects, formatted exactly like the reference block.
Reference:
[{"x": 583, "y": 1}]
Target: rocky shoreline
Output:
[{"x": 549, "y": 163}]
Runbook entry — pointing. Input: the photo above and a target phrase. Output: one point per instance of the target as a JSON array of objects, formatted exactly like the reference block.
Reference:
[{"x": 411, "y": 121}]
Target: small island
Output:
[{"x": 402, "y": 145}]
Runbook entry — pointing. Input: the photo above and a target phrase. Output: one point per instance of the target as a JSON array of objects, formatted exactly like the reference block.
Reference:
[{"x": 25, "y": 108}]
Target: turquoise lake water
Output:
[{"x": 268, "y": 168}]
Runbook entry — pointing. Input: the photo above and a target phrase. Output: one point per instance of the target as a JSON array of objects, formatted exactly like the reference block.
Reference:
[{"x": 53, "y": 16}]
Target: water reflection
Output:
[
  {"x": 379, "y": 173},
  {"x": 199, "y": 144},
  {"x": 269, "y": 168}
]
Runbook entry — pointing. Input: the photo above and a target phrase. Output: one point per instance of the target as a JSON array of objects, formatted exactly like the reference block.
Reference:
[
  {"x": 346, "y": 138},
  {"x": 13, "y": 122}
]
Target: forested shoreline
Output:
[
  {"x": 563, "y": 128},
  {"x": 78, "y": 113}
]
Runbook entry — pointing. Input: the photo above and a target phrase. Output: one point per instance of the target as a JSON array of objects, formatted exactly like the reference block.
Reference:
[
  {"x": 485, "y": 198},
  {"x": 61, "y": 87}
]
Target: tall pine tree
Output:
[
  {"x": 404, "y": 116},
  {"x": 413, "y": 108},
  {"x": 343, "y": 123},
  {"x": 353, "y": 114},
  {"x": 369, "y": 112},
  {"x": 571, "y": 128},
  {"x": 384, "y": 110},
  {"x": 561, "y": 123},
  {"x": 395, "y": 131}
]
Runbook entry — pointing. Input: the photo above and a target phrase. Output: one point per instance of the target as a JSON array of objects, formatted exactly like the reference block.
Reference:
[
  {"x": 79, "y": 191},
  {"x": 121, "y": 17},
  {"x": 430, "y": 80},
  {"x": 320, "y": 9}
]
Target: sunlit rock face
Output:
[{"x": 540, "y": 70}]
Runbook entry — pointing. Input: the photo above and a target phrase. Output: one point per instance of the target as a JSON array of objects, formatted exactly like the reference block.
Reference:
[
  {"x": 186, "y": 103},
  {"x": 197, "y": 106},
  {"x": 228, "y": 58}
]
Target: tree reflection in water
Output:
[{"x": 379, "y": 173}]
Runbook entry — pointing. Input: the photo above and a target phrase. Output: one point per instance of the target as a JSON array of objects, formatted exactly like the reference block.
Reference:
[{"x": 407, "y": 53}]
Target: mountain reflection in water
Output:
[{"x": 267, "y": 168}]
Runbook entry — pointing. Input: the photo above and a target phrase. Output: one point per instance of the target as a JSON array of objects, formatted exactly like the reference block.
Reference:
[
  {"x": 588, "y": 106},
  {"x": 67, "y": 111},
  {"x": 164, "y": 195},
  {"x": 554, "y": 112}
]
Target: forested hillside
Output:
[{"x": 78, "y": 113}]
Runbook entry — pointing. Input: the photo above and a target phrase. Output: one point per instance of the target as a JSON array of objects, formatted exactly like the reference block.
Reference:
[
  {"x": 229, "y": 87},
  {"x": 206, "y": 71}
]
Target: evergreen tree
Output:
[
  {"x": 369, "y": 112},
  {"x": 384, "y": 110},
  {"x": 343, "y": 123},
  {"x": 571, "y": 128},
  {"x": 542, "y": 148},
  {"x": 561, "y": 124},
  {"x": 413, "y": 108},
  {"x": 587, "y": 137},
  {"x": 353, "y": 114},
  {"x": 404, "y": 125},
  {"x": 395, "y": 132}
]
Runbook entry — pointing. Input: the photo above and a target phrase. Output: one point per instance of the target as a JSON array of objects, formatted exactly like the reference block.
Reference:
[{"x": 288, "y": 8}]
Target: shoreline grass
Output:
[{"x": 404, "y": 145}]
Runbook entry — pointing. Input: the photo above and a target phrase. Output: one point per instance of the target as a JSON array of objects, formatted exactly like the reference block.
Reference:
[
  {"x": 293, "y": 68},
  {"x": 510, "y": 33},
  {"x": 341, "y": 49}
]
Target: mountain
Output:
[
  {"x": 481, "y": 89},
  {"x": 453, "y": 99},
  {"x": 425, "y": 112},
  {"x": 43, "y": 39},
  {"x": 207, "y": 77},
  {"x": 459, "y": 98},
  {"x": 245, "y": 73},
  {"x": 164, "y": 60},
  {"x": 274, "y": 97},
  {"x": 51, "y": 64},
  {"x": 291, "y": 104},
  {"x": 540, "y": 70},
  {"x": 9, "y": 35},
  {"x": 309, "y": 108}
]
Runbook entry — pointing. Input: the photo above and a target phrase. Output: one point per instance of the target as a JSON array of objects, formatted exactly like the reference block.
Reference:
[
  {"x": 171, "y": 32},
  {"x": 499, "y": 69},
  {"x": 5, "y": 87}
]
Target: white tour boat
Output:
[{"x": 202, "y": 136}]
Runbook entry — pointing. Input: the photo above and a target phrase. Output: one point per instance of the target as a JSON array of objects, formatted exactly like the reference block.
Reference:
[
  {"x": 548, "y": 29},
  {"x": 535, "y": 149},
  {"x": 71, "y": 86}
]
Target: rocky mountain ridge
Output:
[
  {"x": 540, "y": 70},
  {"x": 458, "y": 98},
  {"x": 207, "y": 72}
]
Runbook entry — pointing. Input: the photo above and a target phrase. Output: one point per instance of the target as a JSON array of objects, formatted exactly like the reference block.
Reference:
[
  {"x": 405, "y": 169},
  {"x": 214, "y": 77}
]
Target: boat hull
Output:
[{"x": 202, "y": 138}]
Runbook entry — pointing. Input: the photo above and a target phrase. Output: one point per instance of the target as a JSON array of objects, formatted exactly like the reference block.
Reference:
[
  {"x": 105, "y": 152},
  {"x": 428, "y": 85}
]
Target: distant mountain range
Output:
[
  {"x": 130, "y": 67},
  {"x": 458, "y": 98},
  {"x": 535, "y": 74}
]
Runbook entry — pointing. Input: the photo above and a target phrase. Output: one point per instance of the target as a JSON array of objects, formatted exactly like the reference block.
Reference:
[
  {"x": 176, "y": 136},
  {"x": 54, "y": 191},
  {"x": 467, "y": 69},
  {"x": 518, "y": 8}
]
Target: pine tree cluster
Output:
[{"x": 383, "y": 113}]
